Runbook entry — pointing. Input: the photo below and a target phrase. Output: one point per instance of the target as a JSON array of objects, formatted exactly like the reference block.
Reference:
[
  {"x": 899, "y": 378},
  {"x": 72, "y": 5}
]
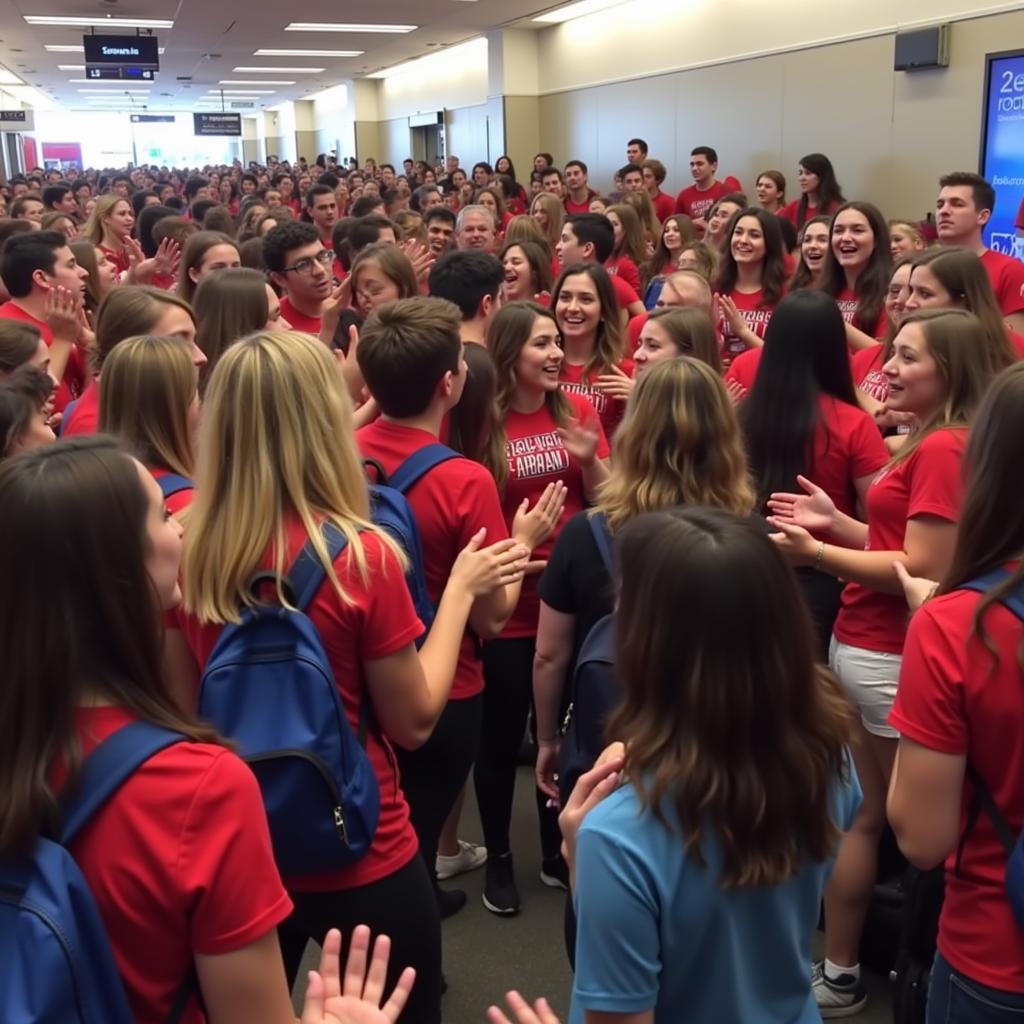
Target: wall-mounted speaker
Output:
[{"x": 922, "y": 48}]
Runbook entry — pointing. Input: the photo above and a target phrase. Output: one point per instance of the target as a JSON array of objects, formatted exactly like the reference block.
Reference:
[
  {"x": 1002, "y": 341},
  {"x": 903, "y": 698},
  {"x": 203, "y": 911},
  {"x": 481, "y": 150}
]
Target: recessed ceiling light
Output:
[
  {"x": 98, "y": 22},
  {"x": 576, "y": 10},
  {"x": 130, "y": 92},
  {"x": 80, "y": 49},
  {"x": 308, "y": 53},
  {"x": 70, "y": 67},
  {"x": 241, "y": 92},
  {"x": 282, "y": 71},
  {"x": 323, "y": 26},
  {"x": 9, "y": 78},
  {"x": 251, "y": 81}
]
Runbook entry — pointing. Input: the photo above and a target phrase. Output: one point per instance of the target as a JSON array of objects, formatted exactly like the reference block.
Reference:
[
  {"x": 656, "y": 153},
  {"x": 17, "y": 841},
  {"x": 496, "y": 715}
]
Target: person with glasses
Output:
[{"x": 300, "y": 266}]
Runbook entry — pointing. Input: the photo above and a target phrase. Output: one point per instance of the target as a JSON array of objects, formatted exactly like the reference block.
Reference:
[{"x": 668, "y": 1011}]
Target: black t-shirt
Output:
[{"x": 575, "y": 581}]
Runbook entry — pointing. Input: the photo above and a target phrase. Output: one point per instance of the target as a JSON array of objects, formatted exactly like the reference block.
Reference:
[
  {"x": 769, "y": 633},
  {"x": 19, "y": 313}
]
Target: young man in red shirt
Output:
[
  {"x": 697, "y": 199},
  {"x": 632, "y": 178},
  {"x": 322, "y": 211},
  {"x": 654, "y": 174},
  {"x": 299, "y": 263},
  {"x": 552, "y": 181},
  {"x": 440, "y": 224},
  {"x": 472, "y": 281},
  {"x": 964, "y": 207},
  {"x": 411, "y": 357},
  {"x": 588, "y": 238},
  {"x": 636, "y": 152},
  {"x": 577, "y": 193},
  {"x": 47, "y": 288}
]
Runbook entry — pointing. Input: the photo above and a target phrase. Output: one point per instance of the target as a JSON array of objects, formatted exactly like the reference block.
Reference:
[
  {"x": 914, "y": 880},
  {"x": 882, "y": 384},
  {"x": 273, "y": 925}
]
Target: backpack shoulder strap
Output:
[
  {"x": 307, "y": 573},
  {"x": 419, "y": 464},
  {"x": 108, "y": 767},
  {"x": 602, "y": 538},
  {"x": 983, "y": 584},
  {"x": 174, "y": 483}
]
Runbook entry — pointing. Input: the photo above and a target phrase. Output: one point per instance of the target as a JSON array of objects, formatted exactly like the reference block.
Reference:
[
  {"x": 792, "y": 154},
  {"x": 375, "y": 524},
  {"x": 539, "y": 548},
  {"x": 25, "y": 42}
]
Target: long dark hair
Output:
[
  {"x": 873, "y": 281},
  {"x": 829, "y": 192},
  {"x": 805, "y": 356},
  {"x": 773, "y": 267},
  {"x": 742, "y": 743},
  {"x": 97, "y": 633},
  {"x": 987, "y": 537},
  {"x": 471, "y": 422}
]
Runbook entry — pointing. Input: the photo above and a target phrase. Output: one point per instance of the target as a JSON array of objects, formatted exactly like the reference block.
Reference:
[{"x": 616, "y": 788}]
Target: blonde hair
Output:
[
  {"x": 525, "y": 229},
  {"x": 276, "y": 441},
  {"x": 555, "y": 211},
  {"x": 678, "y": 444},
  {"x": 643, "y": 207},
  {"x": 149, "y": 385},
  {"x": 956, "y": 342},
  {"x": 92, "y": 229}
]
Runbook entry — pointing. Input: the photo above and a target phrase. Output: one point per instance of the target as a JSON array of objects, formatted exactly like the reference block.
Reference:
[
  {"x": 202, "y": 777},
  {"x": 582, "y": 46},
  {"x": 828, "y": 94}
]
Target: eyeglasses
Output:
[{"x": 305, "y": 266}]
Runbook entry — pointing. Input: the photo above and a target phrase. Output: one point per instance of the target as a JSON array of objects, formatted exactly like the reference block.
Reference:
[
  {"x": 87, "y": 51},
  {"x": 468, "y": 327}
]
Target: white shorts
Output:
[{"x": 869, "y": 680}]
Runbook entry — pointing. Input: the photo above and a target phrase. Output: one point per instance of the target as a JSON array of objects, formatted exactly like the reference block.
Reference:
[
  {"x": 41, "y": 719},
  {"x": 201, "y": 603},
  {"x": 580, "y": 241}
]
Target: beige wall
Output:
[{"x": 889, "y": 134}]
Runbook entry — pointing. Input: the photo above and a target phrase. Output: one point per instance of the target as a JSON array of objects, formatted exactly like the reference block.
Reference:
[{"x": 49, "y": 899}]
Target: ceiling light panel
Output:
[
  {"x": 98, "y": 22},
  {"x": 280, "y": 71},
  {"x": 308, "y": 53},
  {"x": 252, "y": 81},
  {"x": 9, "y": 78},
  {"x": 322, "y": 26}
]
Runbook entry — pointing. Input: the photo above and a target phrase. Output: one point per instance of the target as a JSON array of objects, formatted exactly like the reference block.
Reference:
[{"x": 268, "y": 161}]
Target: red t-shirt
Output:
[
  {"x": 634, "y": 329},
  {"x": 625, "y": 269},
  {"x": 450, "y": 503},
  {"x": 664, "y": 205},
  {"x": 757, "y": 316},
  {"x": 791, "y": 212},
  {"x": 866, "y": 366},
  {"x": 584, "y": 207},
  {"x": 119, "y": 257},
  {"x": 75, "y": 374},
  {"x": 610, "y": 410},
  {"x": 848, "y": 304},
  {"x": 84, "y": 418},
  {"x": 956, "y": 698},
  {"x": 1007, "y": 277},
  {"x": 1017, "y": 341},
  {"x": 536, "y": 458},
  {"x": 696, "y": 203},
  {"x": 179, "y": 501},
  {"x": 847, "y": 446},
  {"x": 928, "y": 483},
  {"x": 299, "y": 321},
  {"x": 378, "y": 621},
  {"x": 743, "y": 369},
  {"x": 179, "y": 862},
  {"x": 625, "y": 295}
]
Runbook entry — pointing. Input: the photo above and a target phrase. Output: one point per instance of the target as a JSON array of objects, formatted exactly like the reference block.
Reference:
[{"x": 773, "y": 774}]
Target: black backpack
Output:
[{"x": 595, "y": 689}]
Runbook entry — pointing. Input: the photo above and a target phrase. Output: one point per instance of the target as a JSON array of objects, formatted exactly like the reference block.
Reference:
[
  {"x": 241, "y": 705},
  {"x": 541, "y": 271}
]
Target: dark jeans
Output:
[
  {"x": 508, "y": 696},
  {"x": 433, "y": 776},
  {"x": 401, "y": 906},
  {"x": 954, "y": 998}
]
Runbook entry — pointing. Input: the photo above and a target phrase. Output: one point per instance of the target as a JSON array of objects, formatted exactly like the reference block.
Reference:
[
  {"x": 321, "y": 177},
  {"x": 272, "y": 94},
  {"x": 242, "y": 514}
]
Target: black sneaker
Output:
[
  {"x": 554, "y": 873},
  {"x": 450, "y": 901},
  {"x": 844, "y": 996},
  {"x": 500, "y": 894}
]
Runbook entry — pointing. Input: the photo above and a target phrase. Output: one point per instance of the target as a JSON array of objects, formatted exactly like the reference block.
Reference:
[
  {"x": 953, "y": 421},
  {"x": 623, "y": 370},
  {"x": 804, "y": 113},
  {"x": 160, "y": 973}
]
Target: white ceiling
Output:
[{"x": 209, "y": 40}]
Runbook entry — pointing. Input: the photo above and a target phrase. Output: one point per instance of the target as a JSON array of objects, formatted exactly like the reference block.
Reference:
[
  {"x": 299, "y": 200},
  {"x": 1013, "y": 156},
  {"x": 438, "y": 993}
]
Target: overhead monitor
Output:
[
  {"x": 1002, "y": 150},
  {"x": 122, "y": 51},
  {"x": 217, "y": 124}
]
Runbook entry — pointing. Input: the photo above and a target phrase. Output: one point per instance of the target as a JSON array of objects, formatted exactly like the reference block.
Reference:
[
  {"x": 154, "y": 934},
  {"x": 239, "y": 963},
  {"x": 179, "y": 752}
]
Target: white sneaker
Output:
[
  {"x": 469, "y": 858},
  {"x": 844, "y": 996}
]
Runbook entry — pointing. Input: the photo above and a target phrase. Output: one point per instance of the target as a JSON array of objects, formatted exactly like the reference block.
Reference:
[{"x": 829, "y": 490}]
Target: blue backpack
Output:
[
  {"x": 595, "y": 688},
  {"x": 390, "y": 510},
  {"x": 174, "y": 483},
  {"x": 268, "y": 685},
  {"x": 56, "y": 964},
  {"x": 983, "y": 799}
]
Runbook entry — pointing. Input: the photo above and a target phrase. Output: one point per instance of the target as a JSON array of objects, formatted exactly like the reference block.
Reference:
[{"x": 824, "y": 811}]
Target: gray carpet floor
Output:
[{"x": 485, "y": 955}]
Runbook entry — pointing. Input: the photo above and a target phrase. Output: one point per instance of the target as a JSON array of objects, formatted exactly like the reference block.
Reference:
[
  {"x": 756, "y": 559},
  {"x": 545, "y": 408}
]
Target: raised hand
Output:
[
  {"x": 815, "y": 511},
  {"x": 799, "y": 547},
  {"x": 737, "y": 392},
  {"x": 522, "y": 1012},
  {"x": 420, "y": 256},
  {"x": 590, "y": 789},
  {"x": 617, "y": 384},
  {"x": 481, "y": 570},
  {"x": 532, "y": 526},
  {"x": 61, "y": 313},
  {"x": 916, "y": 589},
  {"x": 581, "y": 438},
  {"x": 350, "y": 371},
  {"x": 331, "y": 309}
]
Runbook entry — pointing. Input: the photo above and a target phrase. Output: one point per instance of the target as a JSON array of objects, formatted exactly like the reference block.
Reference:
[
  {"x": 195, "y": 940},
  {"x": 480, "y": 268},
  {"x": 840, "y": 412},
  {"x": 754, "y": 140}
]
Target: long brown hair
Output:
[
  {"x": 990, "y": 533},
  {"x": 955, "y": 342},
  {"x": 228, "y": 305},
  {"x": 610, "y": 341},
  {"x": 736, "y": 744},
  {"x": 127, "y": 312},
  {"x": 678, "y": 444},
  {"x": 97, "y": 634},
  {"x": 507, "y": 335}
]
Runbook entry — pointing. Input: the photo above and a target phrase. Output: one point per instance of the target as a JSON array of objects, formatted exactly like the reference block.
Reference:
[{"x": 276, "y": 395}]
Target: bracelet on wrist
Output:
[{"x": 820, "y": 555}]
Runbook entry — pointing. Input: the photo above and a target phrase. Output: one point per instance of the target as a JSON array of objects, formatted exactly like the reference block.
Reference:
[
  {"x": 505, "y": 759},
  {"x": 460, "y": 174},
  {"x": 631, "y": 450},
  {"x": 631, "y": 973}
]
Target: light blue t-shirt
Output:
[{"x": 656, "y": 931}]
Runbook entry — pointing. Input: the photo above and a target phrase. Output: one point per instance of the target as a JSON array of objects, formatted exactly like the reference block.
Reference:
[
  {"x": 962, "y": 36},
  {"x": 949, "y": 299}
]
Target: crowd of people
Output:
[{"x": 773, "y": 440}]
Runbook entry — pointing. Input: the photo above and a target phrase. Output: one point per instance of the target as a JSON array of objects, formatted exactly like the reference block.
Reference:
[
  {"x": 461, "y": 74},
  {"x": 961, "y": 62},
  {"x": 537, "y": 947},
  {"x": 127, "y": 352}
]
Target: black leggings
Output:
[
  {"x": 433, "y": 776},
  {"x": 403, "y": 906},
  {"x": 508, "y": 696},
  {"x": 822, "y": 593}
]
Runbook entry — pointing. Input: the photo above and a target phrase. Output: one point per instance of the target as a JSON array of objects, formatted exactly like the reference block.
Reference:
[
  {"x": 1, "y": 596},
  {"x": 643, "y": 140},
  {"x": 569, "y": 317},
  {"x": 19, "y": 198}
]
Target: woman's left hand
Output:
[
  {"x": 617, "y": 384},
  {"x": 581, "y": 438},
  {"x": 590, "y": 789},
  {"x": 799, "y": 547}
]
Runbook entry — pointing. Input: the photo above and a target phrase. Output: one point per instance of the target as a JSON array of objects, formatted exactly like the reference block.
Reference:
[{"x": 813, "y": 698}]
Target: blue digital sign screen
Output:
[{"x": 1002, "y": 150}]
